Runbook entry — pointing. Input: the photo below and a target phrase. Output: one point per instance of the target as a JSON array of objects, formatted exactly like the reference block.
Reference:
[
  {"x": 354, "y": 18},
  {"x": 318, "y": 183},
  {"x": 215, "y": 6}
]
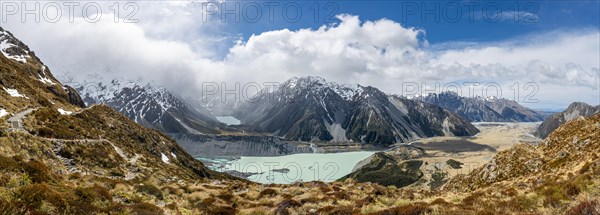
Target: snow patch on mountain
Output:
[
  {"x": 42, "y": 77},
  {"x": 64, "y": 112},
  {"x": 5, "y": 45},
  {"x": 164, "y": 158},
  {"x": 3, "y": 112},
  {"x": 45, "y": 80},
  {"x": 14, "y": 93},
  {"x": 318, "y": 84}
]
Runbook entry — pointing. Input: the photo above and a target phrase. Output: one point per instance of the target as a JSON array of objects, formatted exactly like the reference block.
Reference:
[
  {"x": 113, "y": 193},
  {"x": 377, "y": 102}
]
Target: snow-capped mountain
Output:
[
  {"x": 312, "y": 109},
  {"x": 480, "y": 109},
  {"x": 150, "y": 106},
  {"x": 574, "y": 111},
  {"x": 34, "y": 70},
  {"x": 14, "y": 49}
]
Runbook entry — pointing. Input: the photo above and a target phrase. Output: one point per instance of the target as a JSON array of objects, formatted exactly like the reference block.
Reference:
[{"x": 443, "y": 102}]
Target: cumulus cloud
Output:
[
  {"x": 351, "y": 49},
  {"x": 172, "y": 47}
]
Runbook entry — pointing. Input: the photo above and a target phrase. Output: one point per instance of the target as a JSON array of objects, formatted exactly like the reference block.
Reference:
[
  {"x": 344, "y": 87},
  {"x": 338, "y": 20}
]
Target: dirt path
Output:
[
  {"x": 16, "y": 124},
  {"x": 16, "y": 121}
]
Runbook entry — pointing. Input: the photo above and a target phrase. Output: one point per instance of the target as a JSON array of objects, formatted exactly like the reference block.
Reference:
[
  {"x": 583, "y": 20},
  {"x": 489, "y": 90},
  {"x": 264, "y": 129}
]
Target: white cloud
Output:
[
  {"x": 561, "y": 63},
  {"x": 171, "y": 46},
  {"x": 385, "y": 54},
  {"x": 173, "y": 49},
  {"x": 350, "y": 49}
]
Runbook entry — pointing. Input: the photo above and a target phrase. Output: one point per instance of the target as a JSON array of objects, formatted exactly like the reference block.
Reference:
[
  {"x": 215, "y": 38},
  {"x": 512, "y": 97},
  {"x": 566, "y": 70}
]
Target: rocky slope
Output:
[
  {"x": 150, "y": 106},
  {"x": 312, "y": 109},
  {"x": 562, "y": 169},
  {"x": 26, "y": 81},
  {"x": 58, "y": 157},
  {"x": 574, "y": 111},
  {"x": 478, "y": 109}
]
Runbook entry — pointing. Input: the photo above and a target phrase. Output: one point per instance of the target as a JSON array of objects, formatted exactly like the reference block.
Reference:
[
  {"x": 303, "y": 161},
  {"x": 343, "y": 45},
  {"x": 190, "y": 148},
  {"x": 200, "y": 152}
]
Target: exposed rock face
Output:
[
  {"x": 312, "y": 109},
  {"x": 74, "y": 97},
  {"x": 478, "y": 109},
  {"x": 224, "y": 145},
  {"x": 150, "y": 106},
  {"x": 574, "y": 111}
]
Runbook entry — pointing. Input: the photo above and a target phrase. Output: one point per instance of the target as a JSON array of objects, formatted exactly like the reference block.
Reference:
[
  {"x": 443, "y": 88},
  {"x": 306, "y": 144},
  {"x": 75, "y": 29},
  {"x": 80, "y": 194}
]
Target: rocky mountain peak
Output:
[
  {"x": 318, "y": 85},
  {"x": 312, "y": 109},
  {"x": 574, "y": 111},
  {"x": 481, "y": 109},
  {"x": 14, "y": 49},
  {"x": 149, "y": 105},
  {"x": 578, "y": 106}
]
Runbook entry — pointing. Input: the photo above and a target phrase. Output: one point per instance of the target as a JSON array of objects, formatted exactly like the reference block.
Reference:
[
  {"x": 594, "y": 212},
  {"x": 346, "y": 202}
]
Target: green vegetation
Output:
[
  {"x": 387, "y": 170},
  {"x": 438, "y": 178},
  {"x": 454, "y": 164}
]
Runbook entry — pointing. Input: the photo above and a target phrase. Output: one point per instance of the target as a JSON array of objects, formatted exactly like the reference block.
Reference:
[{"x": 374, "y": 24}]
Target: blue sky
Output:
[{"x": 443, "y": 21}]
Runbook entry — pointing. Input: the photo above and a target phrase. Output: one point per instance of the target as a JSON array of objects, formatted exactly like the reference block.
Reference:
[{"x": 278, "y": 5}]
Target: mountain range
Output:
[
  {"x": 150, "y": 106},
  {"x": 480, "y": 109},
  {"x": 301, "y": 109},
  {"x": 312, "y": 109},
  {"x": 308, "y": 109}
]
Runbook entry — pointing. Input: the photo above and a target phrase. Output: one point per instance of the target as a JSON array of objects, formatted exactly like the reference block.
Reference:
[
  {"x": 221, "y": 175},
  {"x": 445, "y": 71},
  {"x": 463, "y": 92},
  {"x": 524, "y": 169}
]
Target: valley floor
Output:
[
  {"x": 472, "y": 152},
  {"x": 476, "y": 150}
]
